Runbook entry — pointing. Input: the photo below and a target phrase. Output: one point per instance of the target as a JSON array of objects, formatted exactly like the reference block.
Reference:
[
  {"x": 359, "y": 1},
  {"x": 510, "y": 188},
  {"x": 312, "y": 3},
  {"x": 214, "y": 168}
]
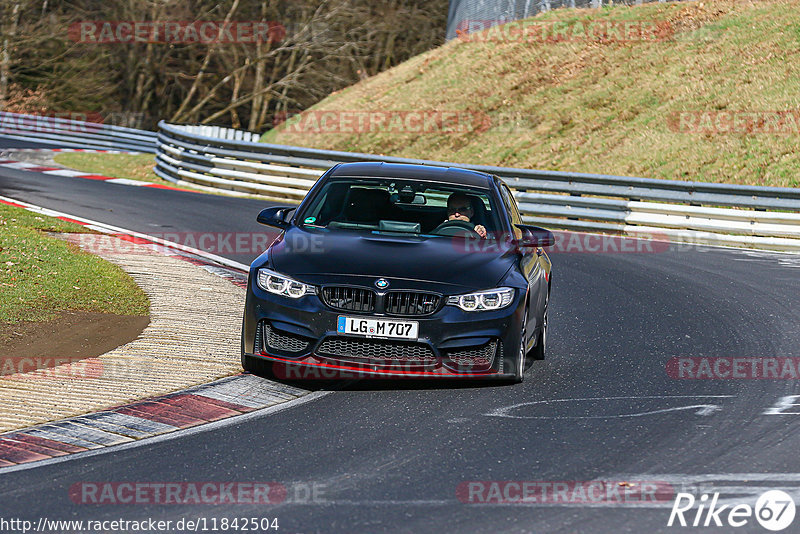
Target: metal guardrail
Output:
[
  {"x": 220, "y": 132},
  {"x": 224, "y": 159},
  {"x": 675, "y": 210},
  {"x": 75, "y": 134},
  {"x": 229, "y": 160}
]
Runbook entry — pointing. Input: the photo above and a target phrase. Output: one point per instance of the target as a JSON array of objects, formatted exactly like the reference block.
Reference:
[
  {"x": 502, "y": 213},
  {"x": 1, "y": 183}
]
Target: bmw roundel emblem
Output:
[{"x": 381, "y": 283}]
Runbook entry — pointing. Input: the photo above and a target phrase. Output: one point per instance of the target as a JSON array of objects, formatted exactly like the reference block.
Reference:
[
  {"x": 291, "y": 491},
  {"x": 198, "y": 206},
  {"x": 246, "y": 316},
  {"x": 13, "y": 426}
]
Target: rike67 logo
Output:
[{"x": 774, "y": 510}]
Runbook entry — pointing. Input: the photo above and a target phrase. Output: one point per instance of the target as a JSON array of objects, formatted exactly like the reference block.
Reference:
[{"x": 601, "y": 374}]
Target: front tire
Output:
[
  {"x": 537, "y": 353},
  {"x": 519, "y": 364}
]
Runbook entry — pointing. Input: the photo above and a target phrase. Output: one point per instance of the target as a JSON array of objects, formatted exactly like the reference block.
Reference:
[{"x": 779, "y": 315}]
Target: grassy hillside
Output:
[{"x": 593, "y": 104}]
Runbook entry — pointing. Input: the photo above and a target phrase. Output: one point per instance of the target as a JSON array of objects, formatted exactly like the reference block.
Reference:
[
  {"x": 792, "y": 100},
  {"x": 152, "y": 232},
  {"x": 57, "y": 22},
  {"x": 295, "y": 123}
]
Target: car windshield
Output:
[{"x": 391, "y": 205}]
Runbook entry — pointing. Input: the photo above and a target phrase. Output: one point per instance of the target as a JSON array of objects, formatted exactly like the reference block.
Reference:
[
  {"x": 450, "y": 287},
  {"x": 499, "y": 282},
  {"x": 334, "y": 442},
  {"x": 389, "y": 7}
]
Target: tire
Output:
[
  {"x": 250, "y": 364},
  {"x": 538, "y": 351},
  {"x": 522, "y": 357}
]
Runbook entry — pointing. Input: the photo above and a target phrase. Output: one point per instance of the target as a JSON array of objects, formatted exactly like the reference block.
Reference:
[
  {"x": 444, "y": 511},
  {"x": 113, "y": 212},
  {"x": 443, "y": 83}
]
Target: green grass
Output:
[
  {"x": 42, "y": 275},
  {"x": 130, "y": 166},
  {"x": 602, "y": 107}
]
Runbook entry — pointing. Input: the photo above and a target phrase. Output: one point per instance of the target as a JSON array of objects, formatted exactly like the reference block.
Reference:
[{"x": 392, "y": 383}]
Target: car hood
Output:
[{"x": 321, "y": 256}]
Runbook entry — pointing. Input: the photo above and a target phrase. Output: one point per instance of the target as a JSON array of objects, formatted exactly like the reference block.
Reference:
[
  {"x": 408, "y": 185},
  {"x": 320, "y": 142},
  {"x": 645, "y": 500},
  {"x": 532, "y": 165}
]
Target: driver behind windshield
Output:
[{"x": 459, "y": 208}]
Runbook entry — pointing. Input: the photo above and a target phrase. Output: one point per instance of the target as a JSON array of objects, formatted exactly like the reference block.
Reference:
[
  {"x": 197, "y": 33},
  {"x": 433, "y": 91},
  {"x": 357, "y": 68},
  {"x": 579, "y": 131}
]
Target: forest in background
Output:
[{"x": 314, "y": 48}]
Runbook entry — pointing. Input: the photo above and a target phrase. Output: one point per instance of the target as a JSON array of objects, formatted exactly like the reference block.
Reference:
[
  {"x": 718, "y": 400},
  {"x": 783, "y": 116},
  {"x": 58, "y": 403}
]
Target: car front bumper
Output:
[{"x": 296, "y": 335}]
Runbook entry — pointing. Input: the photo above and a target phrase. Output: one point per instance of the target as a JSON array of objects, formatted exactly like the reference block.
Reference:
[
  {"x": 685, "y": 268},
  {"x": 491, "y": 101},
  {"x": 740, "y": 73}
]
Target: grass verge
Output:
[
  {"x": 130, "y": 166},
  {"x": 594, "y": 105},
  {"x": 41, "y": 276}
]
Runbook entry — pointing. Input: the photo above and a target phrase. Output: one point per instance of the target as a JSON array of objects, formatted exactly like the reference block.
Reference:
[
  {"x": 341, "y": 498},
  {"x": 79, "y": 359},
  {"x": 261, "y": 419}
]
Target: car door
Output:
[{"x": 530, "y": 263}]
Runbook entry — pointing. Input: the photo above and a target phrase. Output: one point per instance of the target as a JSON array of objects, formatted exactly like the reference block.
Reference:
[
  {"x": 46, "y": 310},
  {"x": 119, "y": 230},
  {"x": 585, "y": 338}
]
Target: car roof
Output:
[{"x": 430, "y": 173}]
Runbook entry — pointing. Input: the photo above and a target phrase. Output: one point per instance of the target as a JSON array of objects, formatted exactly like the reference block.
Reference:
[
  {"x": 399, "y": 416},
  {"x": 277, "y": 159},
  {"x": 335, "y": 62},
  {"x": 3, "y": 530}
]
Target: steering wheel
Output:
[{"x": 456, "y": 229}]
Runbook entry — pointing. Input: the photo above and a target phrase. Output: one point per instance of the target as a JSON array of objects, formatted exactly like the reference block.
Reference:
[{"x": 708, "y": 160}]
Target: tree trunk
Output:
[
  {"x": 193, "y": 89},
  {"x": 262, "y": 117},
  {"x": 5, "y": 54},
  {"x": 237, "y": 84},
  {"x": 258, "y": 81}
]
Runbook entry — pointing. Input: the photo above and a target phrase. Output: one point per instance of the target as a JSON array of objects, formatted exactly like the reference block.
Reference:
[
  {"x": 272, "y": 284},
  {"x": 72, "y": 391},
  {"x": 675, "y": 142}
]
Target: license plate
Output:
[{"x": 385, "y": 328}]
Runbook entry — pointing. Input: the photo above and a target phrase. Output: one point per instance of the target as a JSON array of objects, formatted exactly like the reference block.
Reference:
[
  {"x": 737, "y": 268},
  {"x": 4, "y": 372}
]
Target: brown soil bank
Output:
[{"x": 73, "y": 335}]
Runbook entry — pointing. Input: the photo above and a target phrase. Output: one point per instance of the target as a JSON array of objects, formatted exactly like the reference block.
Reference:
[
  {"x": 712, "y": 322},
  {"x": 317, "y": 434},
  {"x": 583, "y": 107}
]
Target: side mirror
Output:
[
  {"x": 534, "y": 236},
  {"x": 275, "y": 216}
]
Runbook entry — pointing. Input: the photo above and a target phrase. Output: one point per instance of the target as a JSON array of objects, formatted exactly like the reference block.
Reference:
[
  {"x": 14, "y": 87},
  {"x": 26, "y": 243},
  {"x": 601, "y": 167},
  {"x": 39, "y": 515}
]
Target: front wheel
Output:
[
  {"x": 519, "y": 365},
  {"x": 537, "y": 353}
]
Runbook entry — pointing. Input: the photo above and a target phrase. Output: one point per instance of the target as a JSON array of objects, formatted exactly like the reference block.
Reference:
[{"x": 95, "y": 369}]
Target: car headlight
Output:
[
  {"x": 491, "y": 299},
  {"x": 283, "y": 285}
]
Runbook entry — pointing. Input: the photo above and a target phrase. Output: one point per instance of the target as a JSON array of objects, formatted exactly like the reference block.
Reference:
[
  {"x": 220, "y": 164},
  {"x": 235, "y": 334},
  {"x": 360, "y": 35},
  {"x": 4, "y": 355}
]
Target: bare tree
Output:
[
  {"x": 327, "y": 45},
  {"x": 9, "y": 32}
]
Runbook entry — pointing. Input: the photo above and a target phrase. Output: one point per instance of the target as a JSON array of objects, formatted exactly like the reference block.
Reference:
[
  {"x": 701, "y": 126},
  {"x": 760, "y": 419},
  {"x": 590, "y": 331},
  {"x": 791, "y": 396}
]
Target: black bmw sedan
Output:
[{"x": 390, "y": 270}]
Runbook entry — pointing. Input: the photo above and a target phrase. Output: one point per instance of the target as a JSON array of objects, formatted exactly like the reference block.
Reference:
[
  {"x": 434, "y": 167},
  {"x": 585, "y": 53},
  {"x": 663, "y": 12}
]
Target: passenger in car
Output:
[{"x": 459, "y": 208}]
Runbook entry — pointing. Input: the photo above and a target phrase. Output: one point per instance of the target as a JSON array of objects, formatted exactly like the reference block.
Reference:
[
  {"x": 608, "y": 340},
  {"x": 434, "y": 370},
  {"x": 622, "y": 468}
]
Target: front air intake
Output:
[{"x": 345, "y": 298}]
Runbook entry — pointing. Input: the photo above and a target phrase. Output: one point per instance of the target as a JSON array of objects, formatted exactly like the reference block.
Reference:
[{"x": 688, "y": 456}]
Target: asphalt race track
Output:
[{"x": 390, "y": 457}]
